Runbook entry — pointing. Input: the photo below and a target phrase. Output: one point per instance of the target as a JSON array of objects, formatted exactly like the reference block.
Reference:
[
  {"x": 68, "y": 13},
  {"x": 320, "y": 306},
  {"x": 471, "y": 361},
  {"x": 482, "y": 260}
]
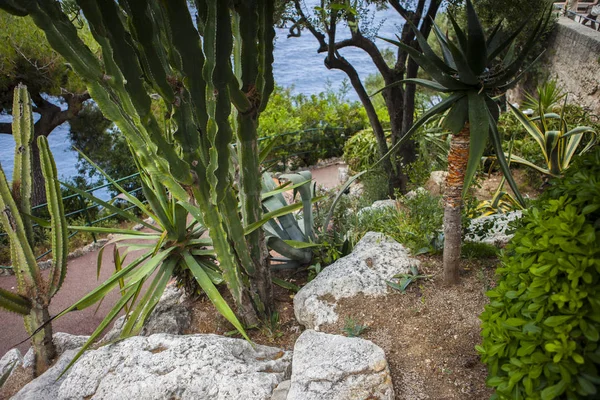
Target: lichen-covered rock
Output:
[
  {"x": 492, "y": 229},
  {"x": 164, "y": 367},
  {"x": 336, "y": 367},
  {"x": 375, "y": 259}
]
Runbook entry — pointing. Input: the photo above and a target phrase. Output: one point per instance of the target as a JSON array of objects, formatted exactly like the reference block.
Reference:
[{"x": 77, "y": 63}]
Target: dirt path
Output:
[{"x": 81, "y": 279}]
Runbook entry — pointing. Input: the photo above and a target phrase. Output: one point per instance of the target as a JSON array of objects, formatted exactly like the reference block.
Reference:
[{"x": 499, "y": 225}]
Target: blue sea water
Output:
[{"x": 296, "y": 64}]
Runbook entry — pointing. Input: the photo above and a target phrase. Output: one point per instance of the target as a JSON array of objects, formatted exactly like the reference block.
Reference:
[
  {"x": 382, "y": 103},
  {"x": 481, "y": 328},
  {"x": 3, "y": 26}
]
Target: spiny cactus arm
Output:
[
  {"x": 187, "y": 46},
  {"x": 266, "y": 32},
  {"x": 14, "y": 302},
  {"x": 120, "y": 58},
  {"x": 62, "y": 36},
  {"x": 217, "y": 45},
  {"x": 24, "y": 263},
  {"x": 143, "y": 25},
  {"x": 23, "y": 134},
  {"x": 14, "y": 7},
  {"x": 58, "y": 221}
]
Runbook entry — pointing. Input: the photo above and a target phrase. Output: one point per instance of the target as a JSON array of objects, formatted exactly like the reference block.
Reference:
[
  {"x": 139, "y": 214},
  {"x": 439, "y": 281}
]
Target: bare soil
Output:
[{"x": 428, "y": 333}]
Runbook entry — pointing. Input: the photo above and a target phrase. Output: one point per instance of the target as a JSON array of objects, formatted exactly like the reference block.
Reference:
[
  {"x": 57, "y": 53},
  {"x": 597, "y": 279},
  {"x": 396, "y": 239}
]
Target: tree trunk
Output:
[
  {"x": 457, "y": 166},
  {"x": 43, "y": 346}
]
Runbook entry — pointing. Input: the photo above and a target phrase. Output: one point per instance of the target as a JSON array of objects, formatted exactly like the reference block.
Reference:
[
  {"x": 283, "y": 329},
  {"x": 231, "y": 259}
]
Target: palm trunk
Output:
[{"x": 457, "y": 166}]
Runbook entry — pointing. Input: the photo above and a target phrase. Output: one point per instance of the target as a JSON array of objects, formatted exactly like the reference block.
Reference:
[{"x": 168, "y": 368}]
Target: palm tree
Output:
[{"x": 471, "y": 72}]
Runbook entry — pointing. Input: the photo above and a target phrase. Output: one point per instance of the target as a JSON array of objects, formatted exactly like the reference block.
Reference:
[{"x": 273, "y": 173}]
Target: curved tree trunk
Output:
[{"x": 457, "y": 166}]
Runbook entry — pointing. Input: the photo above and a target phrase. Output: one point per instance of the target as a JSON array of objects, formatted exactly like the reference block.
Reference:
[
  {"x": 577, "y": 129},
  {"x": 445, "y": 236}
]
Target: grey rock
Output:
[
  {"x": 46, "y": 386},
  {"x": 336, "y": 367},
  {"x": 342, "y": 174},
  {"x": 11, "y": 360},
  {"x": 378, "y": 205},
  {"x": 169, "y": 316},
  {"x": 281, "y": 391},
  {"x": 492, "y": 229},
  {"x": 413, "y": 193},
  {"x": 62, "y": 341},
  {"x": 436, "y": 184},
  {"x": 375, "y": 259},
  {"x": 166, "y": 366}
]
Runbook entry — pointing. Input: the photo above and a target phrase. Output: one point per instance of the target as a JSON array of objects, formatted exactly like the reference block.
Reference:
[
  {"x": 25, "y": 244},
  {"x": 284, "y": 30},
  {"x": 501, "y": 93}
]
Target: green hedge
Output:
[{"x": 541, "y": 328}]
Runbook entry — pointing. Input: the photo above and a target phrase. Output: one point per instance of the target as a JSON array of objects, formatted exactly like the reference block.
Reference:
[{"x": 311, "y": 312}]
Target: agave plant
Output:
[
  {"x": 176, "y": 245},
  {"x": 557, "y": 145},
  {"x": 34, "y": 292},
  {"x": 471, "y": 72}
]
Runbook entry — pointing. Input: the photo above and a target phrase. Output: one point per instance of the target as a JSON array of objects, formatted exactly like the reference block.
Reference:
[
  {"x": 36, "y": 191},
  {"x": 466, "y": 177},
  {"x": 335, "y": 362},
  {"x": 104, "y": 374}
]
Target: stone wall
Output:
[{"x": 573, "y": 58}]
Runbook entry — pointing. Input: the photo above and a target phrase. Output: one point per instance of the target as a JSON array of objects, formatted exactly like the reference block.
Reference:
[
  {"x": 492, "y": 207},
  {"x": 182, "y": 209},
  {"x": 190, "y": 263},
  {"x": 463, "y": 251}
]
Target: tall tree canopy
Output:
[
  {"x": 26, "y": 57},
  {"x": 327, "y": 21}
]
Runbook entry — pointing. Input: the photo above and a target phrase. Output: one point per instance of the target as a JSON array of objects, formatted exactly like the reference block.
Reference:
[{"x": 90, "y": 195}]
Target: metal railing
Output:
[
  {"x": 84, "y": 211},
  {"x": 582, "y": 19},
  {"x": 313, "y": 140}
]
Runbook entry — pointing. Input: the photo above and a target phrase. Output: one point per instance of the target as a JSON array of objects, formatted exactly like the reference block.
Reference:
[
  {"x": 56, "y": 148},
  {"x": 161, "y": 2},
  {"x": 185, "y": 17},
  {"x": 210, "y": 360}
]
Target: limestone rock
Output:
[
  {"x": 11, "y": 360},
  {"x": 281, "y": 391},
  {"x": 336, "y": 367},
  {"x": 414, "y": 193},
  {"x": 62, "y": 341},
  {"x": 492, "y": 229},
  {"x": 375, "y": 259},
  {"x": 169, "y": 316},
  {"x": 165, "y": 366},
  {"x": 378, "y": 205}
]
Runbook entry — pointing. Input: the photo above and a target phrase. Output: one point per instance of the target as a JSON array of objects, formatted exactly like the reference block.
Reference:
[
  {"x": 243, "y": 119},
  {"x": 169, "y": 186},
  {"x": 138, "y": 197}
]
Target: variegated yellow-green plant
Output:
[
  {"x": 209, "y": 66},
  {"x": 557, "y": 145},
  {"x": 34, "y": 292}
]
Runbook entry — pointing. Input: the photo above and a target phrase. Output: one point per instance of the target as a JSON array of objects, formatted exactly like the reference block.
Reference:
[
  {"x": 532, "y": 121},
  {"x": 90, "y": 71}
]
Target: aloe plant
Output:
[
  {"x": 205, "y": 70},
  {"x": 471, "y": 73},
  {"x": 34, "y": 292}
]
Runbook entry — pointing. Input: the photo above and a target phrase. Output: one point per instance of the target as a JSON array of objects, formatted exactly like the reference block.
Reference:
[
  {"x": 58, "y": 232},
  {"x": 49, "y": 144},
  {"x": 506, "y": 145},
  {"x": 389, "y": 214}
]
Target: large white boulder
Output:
[
  {"x": 336, "y": 367},
  {"x": 375, "y": 259},
  {"x": 166, "y": 366}
]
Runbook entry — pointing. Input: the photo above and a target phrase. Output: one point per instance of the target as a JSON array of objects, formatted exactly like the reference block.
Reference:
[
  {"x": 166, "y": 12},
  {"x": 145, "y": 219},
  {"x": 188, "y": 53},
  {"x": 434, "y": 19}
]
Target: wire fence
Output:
[{"x": 297, "y": 149}]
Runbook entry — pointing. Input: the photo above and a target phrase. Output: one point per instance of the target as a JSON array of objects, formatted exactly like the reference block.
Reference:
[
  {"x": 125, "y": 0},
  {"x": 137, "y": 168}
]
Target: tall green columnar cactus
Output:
[
  {"x": 33, "y": 291},
  {"x": 157, "y": 47}
]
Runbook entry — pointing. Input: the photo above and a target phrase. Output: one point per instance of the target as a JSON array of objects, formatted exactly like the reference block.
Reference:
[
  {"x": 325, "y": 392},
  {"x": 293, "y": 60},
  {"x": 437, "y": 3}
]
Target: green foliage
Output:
[
  {"x": 416, "y": 222},
  {"x": 548, "y": 98},
  {"x": 28, "y": 57},
  {"x": 361, "y": 151},
  {"x": 353, "y": 328},
  {"x": 540, "y": 330},
  {"x": 308, "y": 128},
  {"x": 477, "y": 251},
  {"x": 403, "y": 280}
]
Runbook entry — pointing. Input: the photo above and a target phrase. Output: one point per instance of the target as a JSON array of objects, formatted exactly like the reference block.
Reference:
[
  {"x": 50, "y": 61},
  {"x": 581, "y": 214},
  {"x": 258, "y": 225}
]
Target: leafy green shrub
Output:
[
  {"x": 415, "y": 223},
  {"x": 309, "y": 128},
  {"x": 541, "y": 328},
  {"x": 476, "y": 250},
  {"x": 360, "y": 151}
]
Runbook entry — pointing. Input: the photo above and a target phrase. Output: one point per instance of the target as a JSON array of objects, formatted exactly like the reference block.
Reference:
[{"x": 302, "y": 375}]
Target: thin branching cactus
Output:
[{"x": 33, "y": 291}]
